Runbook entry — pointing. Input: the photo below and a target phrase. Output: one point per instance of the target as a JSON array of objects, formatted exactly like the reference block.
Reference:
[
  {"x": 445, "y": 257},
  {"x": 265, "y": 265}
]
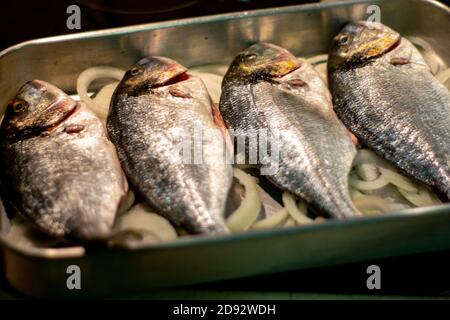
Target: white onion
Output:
[
  {"x": 141, "y": 227},
  {"x": 422, "y": 198},
  {"x": 273, "y": 221},
  {"x": 247, "y": 212},
  {"x": 372, "y": 205},
  {"x": 368, "y": 185},
  {"x": 103, "y": 97},
  {"x": 367, "y": 171},
  {"x": 297, "y": 212},
  {"x": 398, "y": 180},
  {"x": 443, "y": 77},
  {"x": 213, "y": 83},
  {"x": 218, "y": 69},
  {"x": 87, "y": 77},
  {"x": 318, "y": 59}
]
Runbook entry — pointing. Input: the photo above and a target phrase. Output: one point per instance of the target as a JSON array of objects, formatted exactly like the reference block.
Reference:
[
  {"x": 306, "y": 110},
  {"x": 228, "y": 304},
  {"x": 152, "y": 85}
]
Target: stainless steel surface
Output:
[{"x": 304, "y": 30}]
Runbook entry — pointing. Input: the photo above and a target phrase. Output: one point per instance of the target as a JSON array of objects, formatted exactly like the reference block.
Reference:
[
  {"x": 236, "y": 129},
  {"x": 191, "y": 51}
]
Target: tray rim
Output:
[
  {"x": 199, "y": 20},
  {"x": 79, "y": 251}
]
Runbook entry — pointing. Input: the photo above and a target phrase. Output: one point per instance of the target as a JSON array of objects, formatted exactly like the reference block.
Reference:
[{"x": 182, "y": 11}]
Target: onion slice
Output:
[
  {"x": 318, "y": 59},
  {"x": 213, "y": 83},
  {"x": 368, "y": 185},
  {"x": 87, "y": 77},
  {"x": 140, "y": 226},
  {"x": 273, "y": 221},
  {"x": 444, "y": 76},
  {"x": 422, "y": 198},
  {"x": 247, "y": 212},
  {"x": 367, "y": 171},
  {"x": 297, "y": 212},
  {"x": 398, "y": 180},
  {"x": 290, "y": 223},
  {"x": 371, "y": 205},
  {"x": 103, "y": 97}
]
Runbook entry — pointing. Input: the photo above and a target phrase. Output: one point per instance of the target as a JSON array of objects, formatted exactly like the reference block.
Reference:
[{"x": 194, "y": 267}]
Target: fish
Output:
[
  {"x": 162, "y": 120},
  {"x": 60, "y": 171},
  {"x": 267, "y": 89},
  {"x": 385, "y": 93}
]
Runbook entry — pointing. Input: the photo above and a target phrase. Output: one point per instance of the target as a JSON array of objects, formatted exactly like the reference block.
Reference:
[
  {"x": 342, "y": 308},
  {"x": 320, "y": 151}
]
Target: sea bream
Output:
[
  {"x": 59, "y": 170},
  {"x": 163, "y": 123},
  {"x": 385, "y": 93},
  {"x": 267, "y": 89}
]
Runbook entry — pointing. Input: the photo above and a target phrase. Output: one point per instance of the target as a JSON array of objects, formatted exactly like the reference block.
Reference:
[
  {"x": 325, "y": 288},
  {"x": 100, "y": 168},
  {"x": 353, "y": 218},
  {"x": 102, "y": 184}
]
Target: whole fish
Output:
[
  {"x": 59, "y": 170},
  {"x": 384, "y": 92},
  {"x": 267, "y": 89},
  {"x": 157, "y": 108}
]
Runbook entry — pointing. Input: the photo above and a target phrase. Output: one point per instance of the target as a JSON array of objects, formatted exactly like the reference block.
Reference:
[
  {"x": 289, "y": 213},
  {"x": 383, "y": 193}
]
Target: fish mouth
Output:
[
  {"x": 275, "y": 67},
  {"x": 283, "y": 65},
  {"x": 372, "y": 39},
  {"x": 264, "y": 60},
  {"x": 154, "y": 72},
  {"x": 165, "y": 71},
  {"x": 379, "y": 47},
  {"x": 68, "y": 108},
  {"x": 176, "y": 78},
  {"x": 62, "y": 107},
  {"x": 395, "y": 45}
]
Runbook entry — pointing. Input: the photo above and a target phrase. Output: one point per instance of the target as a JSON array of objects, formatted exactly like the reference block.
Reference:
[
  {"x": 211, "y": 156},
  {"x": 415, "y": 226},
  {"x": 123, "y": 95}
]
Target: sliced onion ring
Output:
[
  {"x": 398, "y": 180},
  {"x": 422, "y": 198},
  {"x": 367, "y": 171},
  {"x": 103, "y": 97},
  {"x": 297, "y": 212},
  {"x": 247, "y": 212},
  {"x": 444, "y": 76},
  {"x": 318, "y": 59},
  {"x": 368, "y": 204},
  {"x": 87, "y": 77},
  {"x": 273, "y": 221},
  {"x": 140, "y": 226},
  {"x": 368, "y": 185}
]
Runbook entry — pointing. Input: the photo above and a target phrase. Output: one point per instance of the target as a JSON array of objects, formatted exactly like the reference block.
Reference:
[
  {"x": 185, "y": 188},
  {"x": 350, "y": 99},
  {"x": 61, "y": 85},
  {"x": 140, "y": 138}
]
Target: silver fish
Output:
[
  {"x": 156, "y": 108},
  {"x": 267, "y": 88},
  {"x": 384, "y": 92},
  {"x": 60, "y": 171}
]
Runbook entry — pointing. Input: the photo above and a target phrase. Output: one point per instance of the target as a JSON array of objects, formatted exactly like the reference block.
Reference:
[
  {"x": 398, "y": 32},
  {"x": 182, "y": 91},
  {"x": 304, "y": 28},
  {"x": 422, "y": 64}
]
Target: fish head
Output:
[
  {"x": 362, "y": 41},
  {"x": 152, "y": 72},
  {"x": 37, "y": 106},
  {"x": 262, "y": 61}
]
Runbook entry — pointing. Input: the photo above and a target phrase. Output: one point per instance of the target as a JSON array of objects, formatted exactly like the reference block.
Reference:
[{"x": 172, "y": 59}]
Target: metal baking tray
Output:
[{"x": 305, "y": 30}]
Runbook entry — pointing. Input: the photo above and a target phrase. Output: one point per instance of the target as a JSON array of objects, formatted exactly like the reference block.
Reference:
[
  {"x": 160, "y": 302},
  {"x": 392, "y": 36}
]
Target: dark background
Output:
[
  {"x": 25, "y": 20},
  {"x": 415, "y": 276},
  {"x": 418, "y": 275}
]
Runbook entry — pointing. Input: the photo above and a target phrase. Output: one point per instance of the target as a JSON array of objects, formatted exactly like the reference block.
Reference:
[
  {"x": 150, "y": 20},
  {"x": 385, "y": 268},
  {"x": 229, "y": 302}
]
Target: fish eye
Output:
[
  {"x": 135, "y": 71},
  {"x": 344, "y": 40},
  {"x": 19, "y": 106},
  {"x": 250, "y": 56}
]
